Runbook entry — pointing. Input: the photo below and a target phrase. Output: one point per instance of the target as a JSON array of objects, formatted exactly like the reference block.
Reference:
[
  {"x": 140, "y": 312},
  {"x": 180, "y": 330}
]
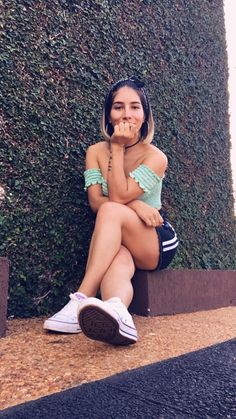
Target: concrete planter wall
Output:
[{"x": 175, "y": 291}]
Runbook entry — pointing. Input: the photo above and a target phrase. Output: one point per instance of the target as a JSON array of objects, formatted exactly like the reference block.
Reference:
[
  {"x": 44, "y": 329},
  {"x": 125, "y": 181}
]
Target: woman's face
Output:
[{"x": 127, "y": 107}]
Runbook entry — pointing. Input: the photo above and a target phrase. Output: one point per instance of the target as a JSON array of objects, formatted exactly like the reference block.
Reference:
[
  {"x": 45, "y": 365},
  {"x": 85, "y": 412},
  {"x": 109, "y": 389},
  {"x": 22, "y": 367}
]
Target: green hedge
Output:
[{"x": 59, "y": 58}]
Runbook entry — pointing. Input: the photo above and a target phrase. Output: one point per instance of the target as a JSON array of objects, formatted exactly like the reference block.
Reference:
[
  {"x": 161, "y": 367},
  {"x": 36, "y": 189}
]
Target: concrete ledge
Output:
[
  {"x": 4, "y": 279},
  {"x": 173, "y": 291}
]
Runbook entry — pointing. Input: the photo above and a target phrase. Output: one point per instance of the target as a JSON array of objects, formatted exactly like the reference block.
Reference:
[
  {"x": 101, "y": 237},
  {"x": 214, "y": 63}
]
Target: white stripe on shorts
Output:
[
  {"x": 170, "y": 247},
  {"x": 168, "y": 242}
]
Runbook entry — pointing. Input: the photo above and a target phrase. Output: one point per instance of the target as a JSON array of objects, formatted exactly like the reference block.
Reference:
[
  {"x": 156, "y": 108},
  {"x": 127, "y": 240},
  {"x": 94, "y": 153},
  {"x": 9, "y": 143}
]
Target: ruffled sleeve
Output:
[
  {"x": 92, "y": 177},
  {"x": 145, "y": 177}
]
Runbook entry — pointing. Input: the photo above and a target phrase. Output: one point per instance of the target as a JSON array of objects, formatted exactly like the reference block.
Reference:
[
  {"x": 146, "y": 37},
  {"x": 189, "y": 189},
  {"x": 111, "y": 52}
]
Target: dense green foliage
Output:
[{"x": 58, "y": 60}]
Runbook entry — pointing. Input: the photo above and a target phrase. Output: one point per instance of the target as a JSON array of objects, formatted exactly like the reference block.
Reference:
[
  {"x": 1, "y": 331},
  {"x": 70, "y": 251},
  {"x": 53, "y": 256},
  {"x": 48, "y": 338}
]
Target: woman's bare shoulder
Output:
[
  {"x": 95, "y": 154},
  {"x": 97, "y": 147},
  {"x": 156, "y": 159},
  {"x": 156, "y": 153}
]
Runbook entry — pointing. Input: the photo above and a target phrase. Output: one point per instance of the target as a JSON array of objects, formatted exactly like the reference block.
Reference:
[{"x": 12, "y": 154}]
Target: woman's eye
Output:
[{"x": 119, "y": 107}]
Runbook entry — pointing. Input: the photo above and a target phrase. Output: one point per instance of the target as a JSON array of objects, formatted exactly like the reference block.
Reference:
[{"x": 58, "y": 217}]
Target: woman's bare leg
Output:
[
  {"x": 116, "y": 224},
  {"x": 117, "y": 280},
  {"x": 90, "y": 251}
]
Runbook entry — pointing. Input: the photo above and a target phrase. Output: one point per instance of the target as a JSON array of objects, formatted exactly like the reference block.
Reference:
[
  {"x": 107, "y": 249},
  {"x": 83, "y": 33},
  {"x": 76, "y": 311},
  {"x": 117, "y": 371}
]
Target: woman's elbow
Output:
[
  {"x": 118, "y": 199},
  {"x": 93, "y": 205}
]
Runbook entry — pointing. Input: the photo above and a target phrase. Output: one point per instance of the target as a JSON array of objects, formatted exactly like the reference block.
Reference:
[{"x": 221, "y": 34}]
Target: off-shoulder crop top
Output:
[{"x": 146, "y": 178}]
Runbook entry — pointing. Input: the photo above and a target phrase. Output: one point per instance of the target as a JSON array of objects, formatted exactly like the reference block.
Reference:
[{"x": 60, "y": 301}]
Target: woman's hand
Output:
[
  {"x": 123, "y": 133},
  {"x": 149, "y": 215}
]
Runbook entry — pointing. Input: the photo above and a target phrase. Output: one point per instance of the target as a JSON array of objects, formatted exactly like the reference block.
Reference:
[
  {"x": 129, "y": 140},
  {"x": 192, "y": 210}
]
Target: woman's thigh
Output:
[
  {"x": 143, "y": 244},
  {"x": 142, "y": 241}
]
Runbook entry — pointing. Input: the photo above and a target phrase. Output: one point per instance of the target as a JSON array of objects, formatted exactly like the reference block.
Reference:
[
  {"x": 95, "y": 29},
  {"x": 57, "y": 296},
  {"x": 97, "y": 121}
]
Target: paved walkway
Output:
[{"x": 34, "y": 363}]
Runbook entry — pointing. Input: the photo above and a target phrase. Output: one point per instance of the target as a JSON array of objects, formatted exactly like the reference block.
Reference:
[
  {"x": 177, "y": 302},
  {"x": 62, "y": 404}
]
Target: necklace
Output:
[{"x": 132, "y": 145}]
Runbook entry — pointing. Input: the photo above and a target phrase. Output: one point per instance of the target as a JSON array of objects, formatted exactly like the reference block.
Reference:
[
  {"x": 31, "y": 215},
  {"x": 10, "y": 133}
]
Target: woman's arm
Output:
[
  {"x": 116, "y": 178},
  {"x": 124, "y": 189},
  {"x": 149, "y": 215},
  {"x": 95, "y": 195}
]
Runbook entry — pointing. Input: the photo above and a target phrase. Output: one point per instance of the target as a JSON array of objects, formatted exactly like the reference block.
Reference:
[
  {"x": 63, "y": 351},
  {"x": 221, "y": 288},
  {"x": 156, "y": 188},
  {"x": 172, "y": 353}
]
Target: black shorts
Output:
[{"x": 168, "y": 244}]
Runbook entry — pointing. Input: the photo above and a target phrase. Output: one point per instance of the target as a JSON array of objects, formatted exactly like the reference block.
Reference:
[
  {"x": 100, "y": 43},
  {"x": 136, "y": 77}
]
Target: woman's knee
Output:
[{"x": 109, "y": 210}]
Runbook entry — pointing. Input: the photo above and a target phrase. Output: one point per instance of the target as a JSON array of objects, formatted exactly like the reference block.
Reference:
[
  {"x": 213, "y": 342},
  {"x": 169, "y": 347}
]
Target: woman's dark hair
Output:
[{"x": 147, "y": 129}]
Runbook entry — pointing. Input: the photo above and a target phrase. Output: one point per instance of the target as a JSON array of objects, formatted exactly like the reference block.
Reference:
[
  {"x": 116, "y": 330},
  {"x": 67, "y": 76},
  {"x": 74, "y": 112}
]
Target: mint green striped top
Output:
[{"x": 147, "y": 179}]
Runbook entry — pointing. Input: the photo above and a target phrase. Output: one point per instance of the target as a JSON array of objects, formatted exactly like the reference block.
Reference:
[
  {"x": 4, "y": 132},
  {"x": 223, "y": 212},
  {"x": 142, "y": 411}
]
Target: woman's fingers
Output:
[
  {"x": 155, "y": 220},
  {"x": 124, "y": 130},
  {"x": 149, "y": 215}
]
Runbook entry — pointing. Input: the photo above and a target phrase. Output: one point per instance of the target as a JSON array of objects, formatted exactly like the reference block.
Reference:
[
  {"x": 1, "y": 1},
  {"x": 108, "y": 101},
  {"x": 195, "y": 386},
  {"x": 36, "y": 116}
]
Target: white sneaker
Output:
[
  {"x": 108, "y": 321},
  {"x": 66, "y": 320}
]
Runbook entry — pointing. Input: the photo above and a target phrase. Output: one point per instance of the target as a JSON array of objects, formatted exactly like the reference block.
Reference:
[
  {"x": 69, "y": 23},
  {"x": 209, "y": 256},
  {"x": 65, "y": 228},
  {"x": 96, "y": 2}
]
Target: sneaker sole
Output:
[
  {"x": 61, "y": 327},
  {"x": 97, "y": 324}
]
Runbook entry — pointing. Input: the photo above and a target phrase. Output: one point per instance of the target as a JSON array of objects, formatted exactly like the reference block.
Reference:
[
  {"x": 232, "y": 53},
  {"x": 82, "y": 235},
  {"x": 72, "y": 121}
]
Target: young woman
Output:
[{"x": 123, "y": 178}]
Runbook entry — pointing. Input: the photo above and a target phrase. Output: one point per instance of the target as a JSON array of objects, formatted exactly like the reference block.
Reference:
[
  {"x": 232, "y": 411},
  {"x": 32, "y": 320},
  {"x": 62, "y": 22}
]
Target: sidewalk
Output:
[{"x": 34, "y": 363}]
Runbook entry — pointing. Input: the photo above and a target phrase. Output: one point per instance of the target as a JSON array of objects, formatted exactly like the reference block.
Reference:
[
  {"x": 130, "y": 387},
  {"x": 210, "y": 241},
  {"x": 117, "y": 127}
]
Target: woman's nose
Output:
[{"x": 127, "y": 113}]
